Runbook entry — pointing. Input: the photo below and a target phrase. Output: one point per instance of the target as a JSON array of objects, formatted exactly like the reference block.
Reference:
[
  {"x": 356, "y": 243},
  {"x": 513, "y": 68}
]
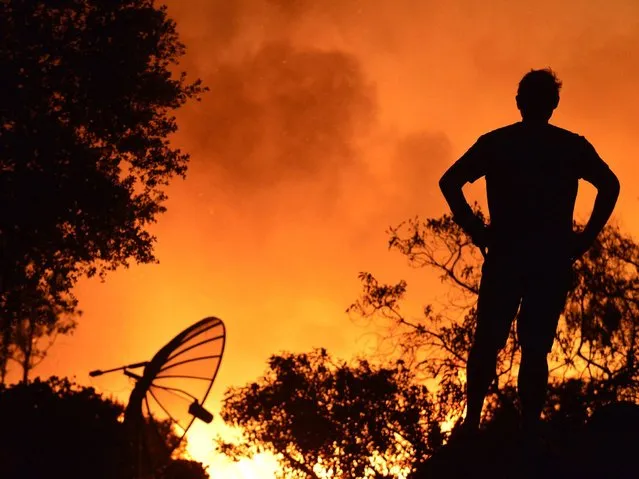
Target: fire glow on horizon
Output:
[{"x": 326, "y": 122}]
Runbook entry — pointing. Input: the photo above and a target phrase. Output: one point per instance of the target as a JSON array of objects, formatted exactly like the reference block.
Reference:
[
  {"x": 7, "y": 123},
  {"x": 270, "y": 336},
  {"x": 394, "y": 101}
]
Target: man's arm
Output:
[
  {"x": 470, "y": 167},
  {"x": 606, "y": 182},
  {"x": 608, "y": 187}
]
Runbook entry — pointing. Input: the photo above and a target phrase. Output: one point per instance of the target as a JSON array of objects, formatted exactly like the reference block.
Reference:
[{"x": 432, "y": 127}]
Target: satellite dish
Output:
[{"x": 171, "y": 389}]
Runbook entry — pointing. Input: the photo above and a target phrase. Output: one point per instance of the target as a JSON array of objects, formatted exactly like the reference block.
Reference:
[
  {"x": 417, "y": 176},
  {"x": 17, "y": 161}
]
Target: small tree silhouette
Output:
[{"x": 317, "y": 416}]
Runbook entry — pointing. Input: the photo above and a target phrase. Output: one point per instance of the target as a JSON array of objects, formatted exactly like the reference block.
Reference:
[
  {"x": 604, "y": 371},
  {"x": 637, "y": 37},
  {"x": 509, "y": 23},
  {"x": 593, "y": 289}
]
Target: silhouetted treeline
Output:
[{"x": 55, "y": 428}]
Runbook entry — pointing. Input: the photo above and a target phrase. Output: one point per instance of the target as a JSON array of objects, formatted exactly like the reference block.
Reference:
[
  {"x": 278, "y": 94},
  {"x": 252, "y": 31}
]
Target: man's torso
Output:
[{"x": 532, "y": 175}]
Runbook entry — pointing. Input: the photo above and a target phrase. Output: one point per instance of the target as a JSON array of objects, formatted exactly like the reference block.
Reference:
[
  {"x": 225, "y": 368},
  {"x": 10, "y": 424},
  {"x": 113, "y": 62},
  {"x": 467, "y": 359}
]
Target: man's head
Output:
[{"x": 538, "y": 94}]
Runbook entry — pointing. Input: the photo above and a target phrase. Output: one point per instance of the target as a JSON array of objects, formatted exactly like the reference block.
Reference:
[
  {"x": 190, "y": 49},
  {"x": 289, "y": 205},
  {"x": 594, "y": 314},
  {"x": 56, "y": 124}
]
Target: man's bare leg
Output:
[
  {"x": 532, "y": 383},
  {"x": 480, "y": 371}
]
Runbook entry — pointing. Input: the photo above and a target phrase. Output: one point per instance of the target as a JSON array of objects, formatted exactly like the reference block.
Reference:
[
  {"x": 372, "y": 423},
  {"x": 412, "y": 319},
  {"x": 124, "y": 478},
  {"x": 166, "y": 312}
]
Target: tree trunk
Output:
[
  {"x": 4, "y": 351},
  {"x": 27, "y": 348}
]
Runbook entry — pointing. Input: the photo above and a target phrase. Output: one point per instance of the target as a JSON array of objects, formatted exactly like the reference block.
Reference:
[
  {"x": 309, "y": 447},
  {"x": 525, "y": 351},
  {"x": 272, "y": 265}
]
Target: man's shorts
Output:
[{"x": 536, "y": 287}]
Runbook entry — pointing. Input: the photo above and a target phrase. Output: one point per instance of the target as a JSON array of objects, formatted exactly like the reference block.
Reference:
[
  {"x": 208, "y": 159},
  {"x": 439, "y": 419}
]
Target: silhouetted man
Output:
[{"x": 532, "y": 170}]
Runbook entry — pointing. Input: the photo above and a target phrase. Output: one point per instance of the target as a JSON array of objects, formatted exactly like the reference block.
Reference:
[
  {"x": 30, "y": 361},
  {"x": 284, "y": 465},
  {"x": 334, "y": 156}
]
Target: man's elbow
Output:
[
  {"x": 616, "y": 184},
  {"x": 448, "y": 184},
  {"x": 613, "y": 186},
  {"x": 444, "y": 183}
]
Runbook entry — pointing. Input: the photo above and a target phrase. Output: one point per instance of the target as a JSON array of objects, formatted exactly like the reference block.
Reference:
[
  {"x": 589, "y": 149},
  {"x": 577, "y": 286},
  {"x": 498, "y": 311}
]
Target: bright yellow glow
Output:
[
  {"x": 200, "y": 442},
  {"x": 200, "y": 448},
  {"x": 260, "y": 467}
]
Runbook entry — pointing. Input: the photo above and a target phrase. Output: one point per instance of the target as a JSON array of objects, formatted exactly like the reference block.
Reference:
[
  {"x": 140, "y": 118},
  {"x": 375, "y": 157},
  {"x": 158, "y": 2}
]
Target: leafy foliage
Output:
[
  {"x": 87, "y": 97},
  {"x": 596, "y": 340},
  {"x": 185, "y": 469},
  {"x": 318, "y": 416},
  {"x": 37, "y": 312},
  {"x": 55, "y": 428}
]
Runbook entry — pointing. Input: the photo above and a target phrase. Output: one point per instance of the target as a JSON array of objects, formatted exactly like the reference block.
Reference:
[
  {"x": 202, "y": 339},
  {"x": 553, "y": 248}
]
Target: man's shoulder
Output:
[
  {"x": 517, "y": 130},
  {"x": 503, "y": 131},
  {"x": 499, "y": 137},
  {"x": 567, "y": 134}
]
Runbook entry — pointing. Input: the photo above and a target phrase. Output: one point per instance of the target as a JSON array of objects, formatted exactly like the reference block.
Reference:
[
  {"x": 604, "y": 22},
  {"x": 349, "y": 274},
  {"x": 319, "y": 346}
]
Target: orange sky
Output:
[{"x": 328, "y": 121}]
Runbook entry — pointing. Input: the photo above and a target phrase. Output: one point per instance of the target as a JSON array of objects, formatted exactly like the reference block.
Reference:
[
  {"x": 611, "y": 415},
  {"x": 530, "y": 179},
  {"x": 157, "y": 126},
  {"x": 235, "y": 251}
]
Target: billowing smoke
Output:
[
  {"x": 283, "y": 113},
  {"x": 420, "y": 159}
]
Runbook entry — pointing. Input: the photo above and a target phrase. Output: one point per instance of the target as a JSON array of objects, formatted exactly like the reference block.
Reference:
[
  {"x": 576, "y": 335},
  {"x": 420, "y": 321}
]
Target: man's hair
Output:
[{"x": 538, "y": 93}]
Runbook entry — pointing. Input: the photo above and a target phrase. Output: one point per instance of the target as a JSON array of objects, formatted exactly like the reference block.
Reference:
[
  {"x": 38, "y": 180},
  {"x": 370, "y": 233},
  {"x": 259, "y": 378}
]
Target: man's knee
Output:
[
  {"x": 536, "y": 338},
  {"x": 534, "y": 354},
  {"x": 490, "y": 341},
  {"x": 485, "y": 349}
]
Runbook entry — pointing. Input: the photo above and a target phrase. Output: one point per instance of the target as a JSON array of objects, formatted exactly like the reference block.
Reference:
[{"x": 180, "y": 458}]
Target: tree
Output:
[
  {"x": 322, "y": 418},
  {"x": 87, "y": 96},
  {"x": 53, "y": 426},
  {"x": 39, "y": 314},
  {"x": 185, "y": 469},
  {"x": 56, "y": 428},
  {"x": 596, "y": 347}
]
